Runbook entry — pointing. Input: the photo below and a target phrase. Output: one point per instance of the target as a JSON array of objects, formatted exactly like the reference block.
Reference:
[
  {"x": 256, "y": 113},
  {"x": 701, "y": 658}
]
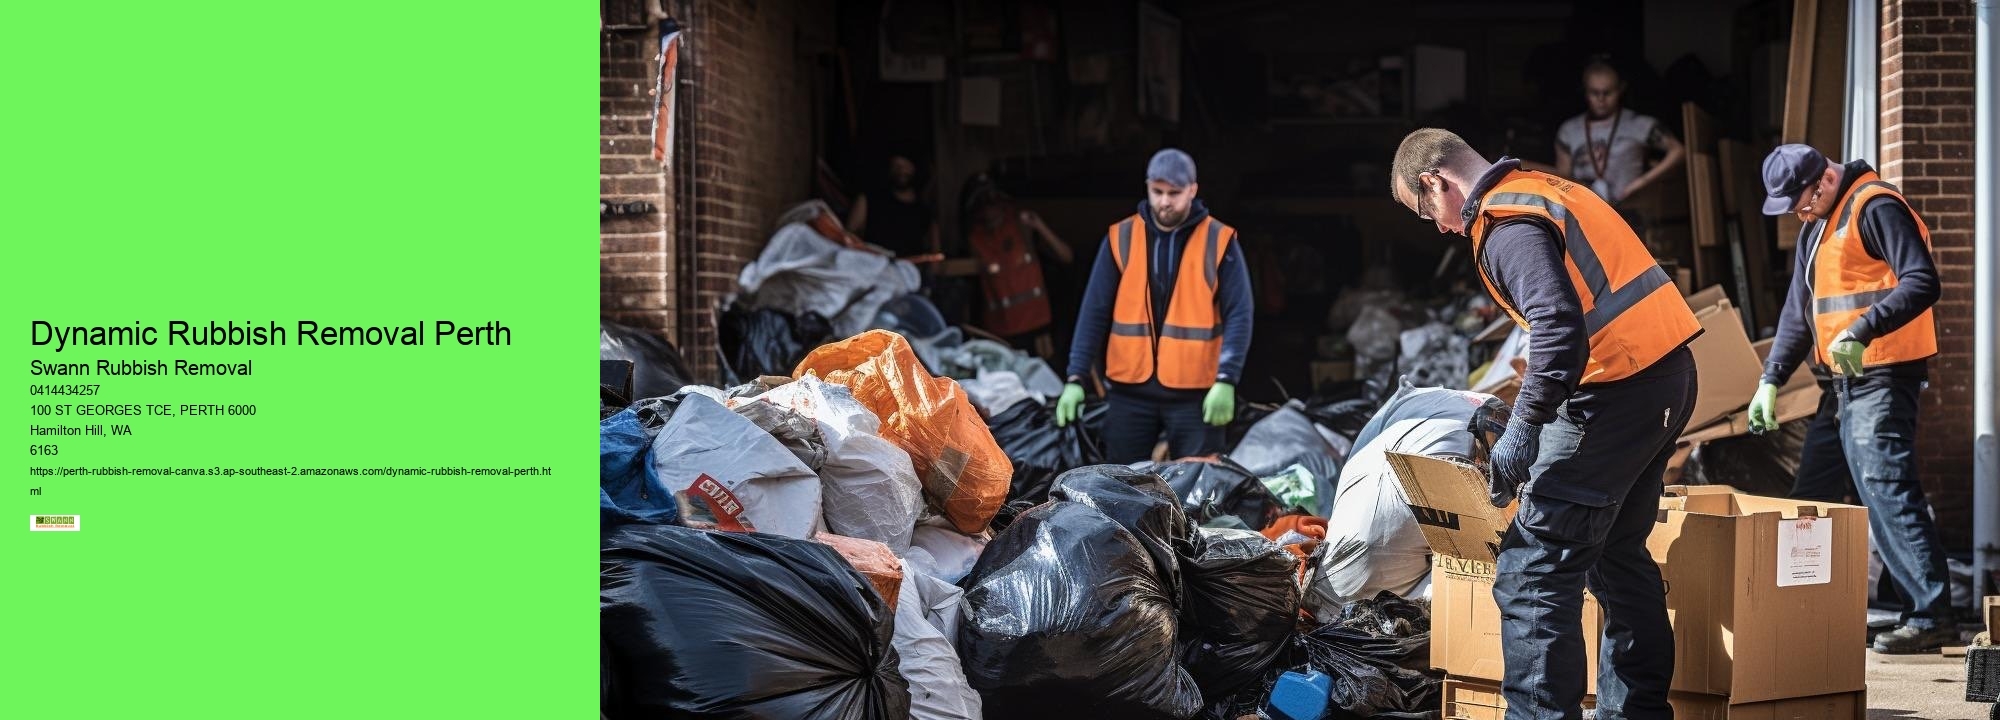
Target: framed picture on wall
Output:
[{"x": 1159, "y": 64}]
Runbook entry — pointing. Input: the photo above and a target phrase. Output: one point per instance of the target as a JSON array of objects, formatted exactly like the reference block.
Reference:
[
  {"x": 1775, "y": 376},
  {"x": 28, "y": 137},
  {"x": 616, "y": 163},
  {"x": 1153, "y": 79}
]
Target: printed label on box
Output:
[{"x": 1805, "y": 551}]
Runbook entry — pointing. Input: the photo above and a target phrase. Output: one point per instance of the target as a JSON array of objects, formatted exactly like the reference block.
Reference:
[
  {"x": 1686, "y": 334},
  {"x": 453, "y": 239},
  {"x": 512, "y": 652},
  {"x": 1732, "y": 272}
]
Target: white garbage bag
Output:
[
  {"x": 870, "y": 487},
  {"x": 801, "y": 271},
  {"x": 926, "y": 636},
  {"x": 953, "y": 553},
  {"x": 994, "y": 391},
  {"x": 725, "y": 469}
]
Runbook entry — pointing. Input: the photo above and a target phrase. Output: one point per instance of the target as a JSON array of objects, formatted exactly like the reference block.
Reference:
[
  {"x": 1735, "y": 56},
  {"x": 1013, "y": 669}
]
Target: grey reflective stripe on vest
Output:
[
  {"x": 1181, "y": 332},
  {"x": 1853, "y": 197},
  {"x": 1208, "y": 252},
  {"x": 1125, "y": 245},
  {"x": 1017, "y": 298},
  {"x": 1857, "y": 301},
  {"x": 1136, "y": 329},
  {"x": 1606, "y": 304}
]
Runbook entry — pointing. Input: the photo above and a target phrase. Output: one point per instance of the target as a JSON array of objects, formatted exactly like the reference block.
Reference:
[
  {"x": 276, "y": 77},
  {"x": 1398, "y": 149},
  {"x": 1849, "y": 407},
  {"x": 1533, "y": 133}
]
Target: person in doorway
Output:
[
  {"x": 1860, "y": 310},
  {"x": 1167, "y": 312},
  {"x": 897, "y": 218},
  {"x": 1607, "y": 351},
  {"x": 1004, "y": 237},
  {"x": 1606, "y": 147}
]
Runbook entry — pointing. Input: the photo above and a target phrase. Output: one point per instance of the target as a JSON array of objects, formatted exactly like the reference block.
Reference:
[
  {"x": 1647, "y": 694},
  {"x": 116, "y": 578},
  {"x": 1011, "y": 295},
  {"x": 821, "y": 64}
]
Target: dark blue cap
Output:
[
  {"x": 1788, "y": 171},
  {"x": 1172, "y": 167}
]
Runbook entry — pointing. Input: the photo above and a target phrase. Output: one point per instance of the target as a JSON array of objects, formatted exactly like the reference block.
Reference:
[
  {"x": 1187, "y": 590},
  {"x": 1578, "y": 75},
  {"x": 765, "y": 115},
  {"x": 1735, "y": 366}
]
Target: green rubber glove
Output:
[
  {"x": 1220, "y": 406},
  {"x": 1846, "y": 352},
  {"x": 1764, "y": 408},
  {"x": 1070, "y": 406}
]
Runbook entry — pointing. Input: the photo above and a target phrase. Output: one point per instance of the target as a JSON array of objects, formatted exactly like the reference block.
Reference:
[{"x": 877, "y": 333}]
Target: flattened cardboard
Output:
[
  {"x": 1451, "y": 506},
  {"x": 1465, "y": 623},
  {"x": 1736, "y": 632},
  {"x": 1834, "y": 706},
  {"x": 1728, "y": 364}
]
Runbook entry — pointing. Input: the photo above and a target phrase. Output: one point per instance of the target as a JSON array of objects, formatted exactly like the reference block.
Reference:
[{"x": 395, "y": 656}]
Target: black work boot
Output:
[{"x": 1908, "y": 640}]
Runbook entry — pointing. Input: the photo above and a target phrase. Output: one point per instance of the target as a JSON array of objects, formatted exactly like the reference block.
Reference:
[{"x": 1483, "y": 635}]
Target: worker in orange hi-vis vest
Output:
[
  {"x": 1167, "y": 314},
  {"x": 1004, "y": 238},
  {"x": 1607, "y": 352},
  {"x": 1860, "y": 310}
]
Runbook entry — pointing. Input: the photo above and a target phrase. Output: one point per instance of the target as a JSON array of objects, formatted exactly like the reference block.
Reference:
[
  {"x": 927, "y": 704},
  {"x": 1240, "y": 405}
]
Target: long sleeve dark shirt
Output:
[
  {"x": 1525, "y": 260},
  {"x": 1889, "y": 233},
  {"x": 1234, "y": 305}
]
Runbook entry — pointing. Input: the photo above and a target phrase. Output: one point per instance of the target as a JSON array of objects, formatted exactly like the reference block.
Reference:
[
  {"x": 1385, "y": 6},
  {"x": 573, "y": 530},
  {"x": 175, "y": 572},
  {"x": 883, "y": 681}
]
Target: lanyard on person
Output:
[{"x": 1590, "y": 146}]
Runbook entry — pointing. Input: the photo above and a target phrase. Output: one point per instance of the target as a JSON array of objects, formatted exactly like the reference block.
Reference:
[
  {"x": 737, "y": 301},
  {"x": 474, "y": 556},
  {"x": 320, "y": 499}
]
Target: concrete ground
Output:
[{"x": 1919, "y": 687}]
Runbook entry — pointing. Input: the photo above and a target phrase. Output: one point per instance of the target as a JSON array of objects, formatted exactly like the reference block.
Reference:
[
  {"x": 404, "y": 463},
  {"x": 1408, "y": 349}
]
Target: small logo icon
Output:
[{"x": 55, "y": 523}]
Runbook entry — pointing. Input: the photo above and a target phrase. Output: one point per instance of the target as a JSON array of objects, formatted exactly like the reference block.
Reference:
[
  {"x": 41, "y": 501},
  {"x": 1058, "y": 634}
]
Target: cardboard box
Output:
[
  {"x": 1834, "y": 706},
  {"x": 1798, "y": 399},
  {"x": 1471, "y": 699},
  {"x": 1465, "y": 623},
  {"x": 1768, "y": 596},
  {"x": 1729, "y": 366},
  {"x": 1992, "y": 614},
  {"x": 1463, "y": 529},
  {"x": 1326, "y": 371}
]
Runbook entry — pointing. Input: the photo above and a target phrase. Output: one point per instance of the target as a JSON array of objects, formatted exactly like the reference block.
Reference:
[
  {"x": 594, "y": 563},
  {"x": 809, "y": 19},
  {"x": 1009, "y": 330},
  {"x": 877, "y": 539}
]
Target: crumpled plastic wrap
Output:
[
  {"x": 1064, "y": 617},
  {"x": 1242, "y": 605},
  {"x": 870, "y": 490},
  {"x": 728, "y": 471},
  {"x": 799, "y": 272},
  {"x": 963, "y": 471},
  {"x": 1433, "y": 355},
  {"x": 796, "y": 432},
  {"x": 741, "y": 625}
]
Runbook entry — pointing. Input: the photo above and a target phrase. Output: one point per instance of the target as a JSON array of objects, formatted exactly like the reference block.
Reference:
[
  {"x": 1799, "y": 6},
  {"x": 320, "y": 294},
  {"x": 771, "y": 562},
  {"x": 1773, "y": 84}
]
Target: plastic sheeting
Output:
[
  {"x": 733, "y": 473},
  {"x": 963, "y": 471},
  {"x": 951, "y": 554},
  {"x": 926, "y": 628},
  {"x": 801, "y": 272},
  {"x": 1433, "y": 355},
  {"x": 1373, "y": 543},
  {"x": 1211, "y": 489},
  {"x": 994, "y": 391},
  {"x": 974, "y": 358},
  {"x": 628, "y": 488},
  {"x": 1289, "y": 437},
  {"x": 798, "y": 433},
  {"x": 1064, "y": 617},
  {"x": 700, "y": 624},
  {"x": 1242, "y": 606},
  {"x": 657, "y": 368},
  {"x": 870, "y": 490}
]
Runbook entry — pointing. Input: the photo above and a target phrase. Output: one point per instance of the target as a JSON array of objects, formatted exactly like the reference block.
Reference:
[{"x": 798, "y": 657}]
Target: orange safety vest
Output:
[
  {"x": 1188, "y": 350},
  {"x": 1011, "y": 279},
  {"x": 1846, "y": 281},
  {"x": 1632, "y": 312}
]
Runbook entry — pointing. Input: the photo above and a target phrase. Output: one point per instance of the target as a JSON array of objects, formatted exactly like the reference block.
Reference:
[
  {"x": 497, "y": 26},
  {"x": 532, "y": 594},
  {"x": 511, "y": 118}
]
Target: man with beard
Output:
[
  {"x": 898, "y": 219},
  {"x": 1167, "y": 314}
]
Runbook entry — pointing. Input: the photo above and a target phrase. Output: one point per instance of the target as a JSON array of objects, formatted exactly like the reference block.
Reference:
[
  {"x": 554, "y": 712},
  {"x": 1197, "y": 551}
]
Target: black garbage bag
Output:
[
  {"x": 1765, "y": 464},
  {"x": 1288, "y": 437},
  {"x": 704, "y": 624},
  {"x": 1345, "y": 417},
  {"x": 1064, "y": 617},
  {"x": 1028, "y": 435},
  {"x": 1209, "y": 489},
  {"x": 1144, "y": 505},
  {"x": 657, "y": 368},
  {"x": 767, "y": 341},
  {"x": 1378, "y": 654},
  {"x": 1242, "y": 606}
]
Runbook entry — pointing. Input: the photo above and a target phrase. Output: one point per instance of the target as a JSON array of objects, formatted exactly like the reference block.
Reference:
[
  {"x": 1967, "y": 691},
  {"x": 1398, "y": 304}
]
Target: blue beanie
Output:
[{"x": 1172, "y": 167}]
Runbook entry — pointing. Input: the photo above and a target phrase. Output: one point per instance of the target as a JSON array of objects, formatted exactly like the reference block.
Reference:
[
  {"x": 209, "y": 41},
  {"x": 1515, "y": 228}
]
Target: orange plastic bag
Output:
[
  {"x": 873, "y": 560},
  {"x": 964, "y": 473}
]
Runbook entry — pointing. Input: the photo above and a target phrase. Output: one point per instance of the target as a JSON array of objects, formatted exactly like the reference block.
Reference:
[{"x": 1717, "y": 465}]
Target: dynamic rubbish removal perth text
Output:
[{"x": 180, "y": 332}]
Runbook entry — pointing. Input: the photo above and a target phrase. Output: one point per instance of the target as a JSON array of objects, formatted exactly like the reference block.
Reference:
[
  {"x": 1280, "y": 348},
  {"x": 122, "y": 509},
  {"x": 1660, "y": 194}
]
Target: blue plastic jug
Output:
[{"x": 1300, "y": 696}]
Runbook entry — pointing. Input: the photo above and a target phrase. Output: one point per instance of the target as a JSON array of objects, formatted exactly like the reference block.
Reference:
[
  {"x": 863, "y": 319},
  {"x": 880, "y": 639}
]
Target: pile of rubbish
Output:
[
  {"x": 1387, "y": 337},
  {"x": 869, "y": 538}
]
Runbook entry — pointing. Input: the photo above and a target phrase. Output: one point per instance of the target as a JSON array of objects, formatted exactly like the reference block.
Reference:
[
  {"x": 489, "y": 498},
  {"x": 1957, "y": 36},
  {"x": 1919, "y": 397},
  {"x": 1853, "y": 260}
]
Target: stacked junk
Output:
[{"x": 890, "y": 525}]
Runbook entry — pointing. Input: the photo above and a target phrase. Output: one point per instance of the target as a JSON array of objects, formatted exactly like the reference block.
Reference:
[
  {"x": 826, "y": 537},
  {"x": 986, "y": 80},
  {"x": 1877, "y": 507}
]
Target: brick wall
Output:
[
  {"x": 636, "y": 282},
  {"x": 745, "y": 153},
  {"x": 1927, "y": 103},
  {"x": 753, "y": 144}
]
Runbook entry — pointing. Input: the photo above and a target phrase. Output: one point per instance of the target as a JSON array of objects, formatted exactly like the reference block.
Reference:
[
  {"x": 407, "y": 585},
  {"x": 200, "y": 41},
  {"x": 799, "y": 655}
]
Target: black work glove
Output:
[{"x": 1512, "y": 458}]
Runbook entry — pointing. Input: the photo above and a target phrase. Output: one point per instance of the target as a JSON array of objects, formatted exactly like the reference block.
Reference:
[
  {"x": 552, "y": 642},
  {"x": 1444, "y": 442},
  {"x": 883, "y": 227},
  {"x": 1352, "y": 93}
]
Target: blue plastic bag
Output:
[{"x": 628, "y": 488}]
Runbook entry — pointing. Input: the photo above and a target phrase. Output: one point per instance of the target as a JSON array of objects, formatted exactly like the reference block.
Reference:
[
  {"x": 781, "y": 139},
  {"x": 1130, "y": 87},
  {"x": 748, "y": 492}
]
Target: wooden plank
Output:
[{"x": 1815, "y": 78}]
